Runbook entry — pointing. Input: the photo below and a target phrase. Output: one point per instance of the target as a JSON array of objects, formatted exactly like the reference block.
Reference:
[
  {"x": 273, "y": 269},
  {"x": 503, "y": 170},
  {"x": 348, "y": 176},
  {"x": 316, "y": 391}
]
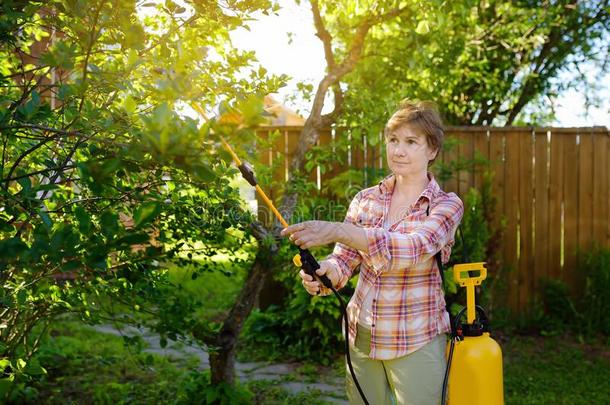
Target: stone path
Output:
[{"x": 285, "y": 374}]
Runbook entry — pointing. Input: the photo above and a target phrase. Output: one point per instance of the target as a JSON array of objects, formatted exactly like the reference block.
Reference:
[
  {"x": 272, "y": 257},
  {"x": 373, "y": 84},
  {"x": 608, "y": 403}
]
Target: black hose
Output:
[
  {"x": 446, "y": 378},
  {"x": 349, "y": 360}
]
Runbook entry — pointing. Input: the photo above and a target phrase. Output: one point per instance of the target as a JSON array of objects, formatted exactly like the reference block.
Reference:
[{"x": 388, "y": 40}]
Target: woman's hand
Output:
[
  {"x": 312, "y": 286},
  {"x": 311, "y": 233}
]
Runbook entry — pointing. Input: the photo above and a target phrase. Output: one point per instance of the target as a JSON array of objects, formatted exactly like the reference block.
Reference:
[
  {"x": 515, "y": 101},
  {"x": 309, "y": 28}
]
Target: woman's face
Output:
[{"x": 408, "y": 152}]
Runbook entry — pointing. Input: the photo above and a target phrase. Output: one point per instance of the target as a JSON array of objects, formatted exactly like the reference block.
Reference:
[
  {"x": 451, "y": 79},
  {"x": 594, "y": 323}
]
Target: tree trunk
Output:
[{"x": 222, "y": 357}]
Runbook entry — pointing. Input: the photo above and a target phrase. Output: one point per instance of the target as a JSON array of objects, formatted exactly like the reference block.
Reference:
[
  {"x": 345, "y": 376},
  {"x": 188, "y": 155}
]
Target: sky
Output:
[{"x": 302, "y": 58}]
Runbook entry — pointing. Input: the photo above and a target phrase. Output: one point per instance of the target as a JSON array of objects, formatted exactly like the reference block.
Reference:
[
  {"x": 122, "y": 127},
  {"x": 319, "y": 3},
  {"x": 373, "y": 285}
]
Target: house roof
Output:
[{"x": 279, "y": 114}]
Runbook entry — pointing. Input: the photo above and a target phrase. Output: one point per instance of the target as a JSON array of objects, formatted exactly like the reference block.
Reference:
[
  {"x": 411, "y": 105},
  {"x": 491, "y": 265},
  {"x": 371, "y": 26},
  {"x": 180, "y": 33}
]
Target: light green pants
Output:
[{"x": 414, "y": 379}]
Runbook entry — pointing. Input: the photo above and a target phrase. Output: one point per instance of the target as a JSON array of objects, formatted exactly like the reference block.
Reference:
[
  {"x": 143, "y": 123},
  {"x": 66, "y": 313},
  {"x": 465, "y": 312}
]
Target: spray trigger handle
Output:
[{"x": 305, "y": 260}]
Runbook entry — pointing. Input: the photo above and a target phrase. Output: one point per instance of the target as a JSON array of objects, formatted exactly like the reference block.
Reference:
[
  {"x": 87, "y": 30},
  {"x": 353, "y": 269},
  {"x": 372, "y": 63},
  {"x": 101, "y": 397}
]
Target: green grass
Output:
[
  {"x": 86, "y": 366},
  {"x": 270, "y": 393},
  {"x": 555, "y": 370}
]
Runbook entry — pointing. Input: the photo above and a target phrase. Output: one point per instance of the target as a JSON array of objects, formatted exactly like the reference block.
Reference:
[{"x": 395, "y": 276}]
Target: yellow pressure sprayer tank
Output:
[{"x": 475, "y": 376}]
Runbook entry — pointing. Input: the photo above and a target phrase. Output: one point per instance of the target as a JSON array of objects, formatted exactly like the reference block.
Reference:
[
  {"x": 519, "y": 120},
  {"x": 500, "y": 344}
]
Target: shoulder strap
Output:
[
  {"x": 439, "y": 264},
  {"x": 437, "y": 256}
]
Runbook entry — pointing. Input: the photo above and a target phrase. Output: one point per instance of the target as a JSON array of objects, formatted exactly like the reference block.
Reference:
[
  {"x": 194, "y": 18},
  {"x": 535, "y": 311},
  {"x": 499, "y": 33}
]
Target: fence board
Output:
[
  {"x": 541, "y": 217},
  {"x": 570, "y": 197},
  {"x": 466, "y": 154},
  {"x": 451, "y": 155},
  {"x": 481, "y": 149},
  {"x": 496, "y": 157},
  {"x": 526, "y": 198},
  {"x": 555, "y": 206},
  {"x": 600, "y": 191},
  {"x": 511, "y": 211},
  {"x": 585, "y": 198},
  {"x": 282, "y": 156}
]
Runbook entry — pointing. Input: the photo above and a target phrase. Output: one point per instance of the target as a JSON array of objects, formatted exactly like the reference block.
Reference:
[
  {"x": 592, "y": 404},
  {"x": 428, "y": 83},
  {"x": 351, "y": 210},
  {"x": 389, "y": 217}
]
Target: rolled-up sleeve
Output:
[
  {"x": 390, "y": 251},
  {"x": 343, "y": 257}
]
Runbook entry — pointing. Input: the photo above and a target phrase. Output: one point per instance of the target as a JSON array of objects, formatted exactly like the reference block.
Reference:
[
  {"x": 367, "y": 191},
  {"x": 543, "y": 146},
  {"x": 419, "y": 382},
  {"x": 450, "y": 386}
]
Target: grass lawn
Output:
[
  {"x": 88, "y": 367},
  {"x": 85, "y": 366},
  {"x": 555, "y": 370}
]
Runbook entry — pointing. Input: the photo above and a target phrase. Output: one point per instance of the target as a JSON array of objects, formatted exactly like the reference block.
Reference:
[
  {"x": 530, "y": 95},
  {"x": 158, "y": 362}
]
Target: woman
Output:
[{"x": 397, "y": 317}]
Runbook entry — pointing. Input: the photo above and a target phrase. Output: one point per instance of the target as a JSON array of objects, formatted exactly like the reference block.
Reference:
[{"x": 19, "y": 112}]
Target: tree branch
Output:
[{"x": 323, "y": 34}]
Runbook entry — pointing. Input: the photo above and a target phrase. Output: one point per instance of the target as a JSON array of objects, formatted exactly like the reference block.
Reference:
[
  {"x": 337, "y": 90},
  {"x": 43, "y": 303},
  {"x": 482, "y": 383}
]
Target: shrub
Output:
[{"x": 595, "y": 304}]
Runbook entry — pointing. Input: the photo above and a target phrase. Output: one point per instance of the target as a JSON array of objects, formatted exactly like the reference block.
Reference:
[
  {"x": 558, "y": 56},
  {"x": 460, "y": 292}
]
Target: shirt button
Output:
[{"x": 373, "y": 325}]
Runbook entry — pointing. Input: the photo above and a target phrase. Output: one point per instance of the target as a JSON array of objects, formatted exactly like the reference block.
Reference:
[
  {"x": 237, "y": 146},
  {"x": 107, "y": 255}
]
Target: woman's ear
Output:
[{"x": 432, "y": 154}]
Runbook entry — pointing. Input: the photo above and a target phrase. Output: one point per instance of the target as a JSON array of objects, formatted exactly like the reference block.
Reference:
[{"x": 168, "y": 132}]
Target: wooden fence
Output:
[{"x": 551, "y": 185}]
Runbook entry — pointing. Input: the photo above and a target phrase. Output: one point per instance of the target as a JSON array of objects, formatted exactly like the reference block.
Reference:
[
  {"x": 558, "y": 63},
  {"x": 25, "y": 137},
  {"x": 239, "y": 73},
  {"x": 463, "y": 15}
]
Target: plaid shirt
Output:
[{"x": 399, "y": 269}]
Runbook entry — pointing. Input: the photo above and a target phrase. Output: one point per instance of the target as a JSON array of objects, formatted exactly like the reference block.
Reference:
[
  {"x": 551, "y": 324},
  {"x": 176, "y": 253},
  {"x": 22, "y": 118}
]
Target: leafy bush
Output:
[
  {"x": 595, "y": 305},
  {"x": 471, "y": 245},
  {"x": 558, "y": 311},
  {"x": 304, "y": 328},
  {"x": 552, "y": 315}
]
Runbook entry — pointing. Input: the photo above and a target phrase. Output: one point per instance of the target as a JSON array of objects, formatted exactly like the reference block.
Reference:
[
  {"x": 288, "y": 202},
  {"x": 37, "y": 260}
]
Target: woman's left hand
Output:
[{"x": 311, "y": 233}]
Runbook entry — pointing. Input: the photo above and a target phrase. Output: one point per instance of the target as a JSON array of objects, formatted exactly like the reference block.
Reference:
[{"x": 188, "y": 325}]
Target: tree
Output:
[
  {"x": 484, "y": 63},
  {"x": 103, "y": 182}
]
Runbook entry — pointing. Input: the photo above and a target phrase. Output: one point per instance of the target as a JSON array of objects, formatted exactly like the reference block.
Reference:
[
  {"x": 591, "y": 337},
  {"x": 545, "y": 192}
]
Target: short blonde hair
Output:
[{"x": 421, "y": 116}]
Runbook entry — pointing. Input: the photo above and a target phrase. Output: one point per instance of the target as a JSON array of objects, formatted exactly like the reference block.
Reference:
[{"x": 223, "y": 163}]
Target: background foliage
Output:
[{"x": 104, "y": 185}]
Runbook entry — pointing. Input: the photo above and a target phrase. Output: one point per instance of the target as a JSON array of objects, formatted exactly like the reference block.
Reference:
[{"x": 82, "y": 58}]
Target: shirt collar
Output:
[{"x": 386, "y": 187}]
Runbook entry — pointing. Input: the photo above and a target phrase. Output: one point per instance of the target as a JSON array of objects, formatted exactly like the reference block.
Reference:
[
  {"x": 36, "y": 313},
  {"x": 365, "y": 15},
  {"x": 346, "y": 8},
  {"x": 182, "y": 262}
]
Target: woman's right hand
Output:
[{"x": 313, "y": 286}]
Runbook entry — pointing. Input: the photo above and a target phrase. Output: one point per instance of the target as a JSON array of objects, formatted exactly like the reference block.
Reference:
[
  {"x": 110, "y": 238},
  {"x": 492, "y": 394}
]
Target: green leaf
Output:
[
  {"x": 34, "y": 368},
  {"x": 22, "y": 297},
  {"x": 146, "y": 213},
  {"x": 84, "y": 219},
  {"x": 109, "y": 222},
  {"x": 423, "y": 27},
  {"x": 6, "y": 385},
  {"x": 12, "y": 247},
  {"x": 46, "y": 219},
  {"x": 60, "y": 54},
  {"x": 4, "y": 363},
  {"x": 65, "y": 91},
  {"x": 129, "y": 104},
  {"x": 71, "y": 265},
  {"x": 26, "y": 184},
  {"x": 20, "y": 364},
  {"x": 204, "y": 172}
]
